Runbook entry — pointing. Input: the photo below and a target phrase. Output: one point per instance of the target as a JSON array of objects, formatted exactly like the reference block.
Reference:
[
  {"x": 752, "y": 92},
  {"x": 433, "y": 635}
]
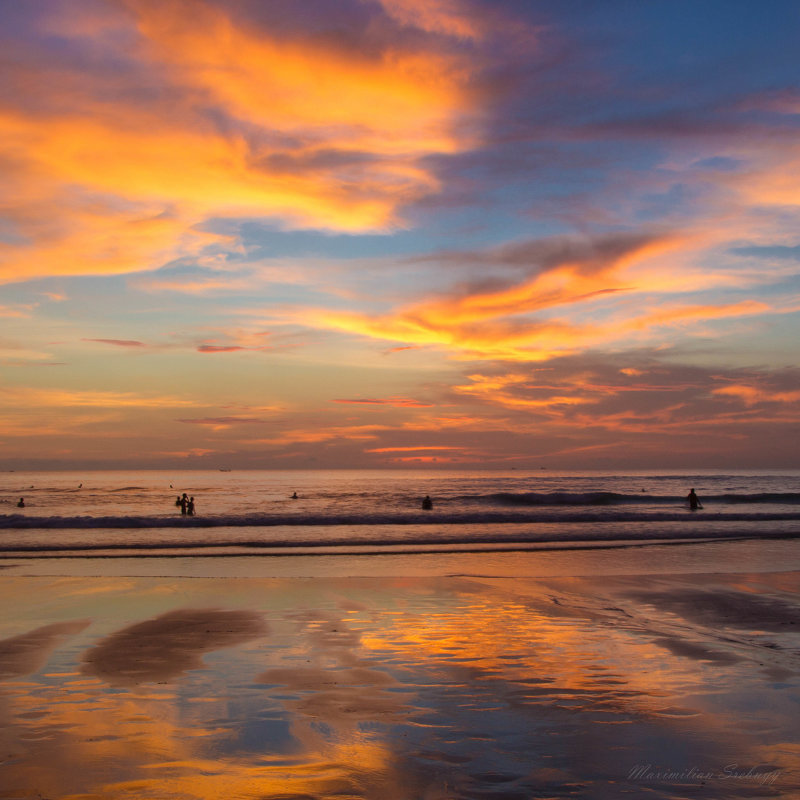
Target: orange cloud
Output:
[
  {"x": 773, "y": 177},
  {"x": 499, "y": 390},
  {"x": 426, "y": 459},
  {"x": 559, "y": 311},
  {"x": 22, "y": 397},
  {"x": 16, "y": 312},
  {"x": 752, "y": 395},
  {"x": 223, "y": 423},
  {"x": 412, "y": 449},
  {"x": 316, "y": 136},
  {"x": 393, "y": 102},
  {"x": 692, "y": 314},
  {"x": 402, "y": 402},
  {"x": 323, "y": 434}
]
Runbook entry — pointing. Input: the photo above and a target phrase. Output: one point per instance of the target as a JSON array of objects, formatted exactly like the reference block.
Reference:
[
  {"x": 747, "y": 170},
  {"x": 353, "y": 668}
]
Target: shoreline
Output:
[{"x": 627, "y": 558}]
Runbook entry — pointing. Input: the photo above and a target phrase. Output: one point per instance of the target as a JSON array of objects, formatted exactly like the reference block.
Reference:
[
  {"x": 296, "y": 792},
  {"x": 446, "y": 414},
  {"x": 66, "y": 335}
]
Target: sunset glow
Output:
[{"x": 374, "y": 233}]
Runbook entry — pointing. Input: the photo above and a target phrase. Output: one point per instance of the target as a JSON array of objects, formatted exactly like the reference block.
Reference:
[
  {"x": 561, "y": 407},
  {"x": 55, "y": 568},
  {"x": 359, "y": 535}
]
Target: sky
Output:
[{"x": 399, "y": 233}]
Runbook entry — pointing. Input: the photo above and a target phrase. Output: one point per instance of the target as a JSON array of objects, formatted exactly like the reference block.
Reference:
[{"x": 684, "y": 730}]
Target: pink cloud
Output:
[
  {"x": 118, "y": 342},
  {"x": 389, "y": 401},
  {"x": 219, "y": 348},
  {"x": 751, "y": 395},
  {"x": 223, "y": 421}
]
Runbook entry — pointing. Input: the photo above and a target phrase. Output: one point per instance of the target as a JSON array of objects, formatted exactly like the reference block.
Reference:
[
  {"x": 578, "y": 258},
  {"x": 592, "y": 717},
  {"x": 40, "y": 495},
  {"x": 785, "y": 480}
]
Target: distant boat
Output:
[{"x": 224, "y": 470}]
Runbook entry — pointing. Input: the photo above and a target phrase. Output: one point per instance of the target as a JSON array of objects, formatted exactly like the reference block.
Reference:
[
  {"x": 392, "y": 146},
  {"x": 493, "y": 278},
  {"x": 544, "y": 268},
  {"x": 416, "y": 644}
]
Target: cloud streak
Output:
[{"x": 563, "y": 299}]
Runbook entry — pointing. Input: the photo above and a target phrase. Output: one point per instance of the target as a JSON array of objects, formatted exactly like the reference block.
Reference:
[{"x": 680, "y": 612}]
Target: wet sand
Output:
[{"x": 656, "y": 686}]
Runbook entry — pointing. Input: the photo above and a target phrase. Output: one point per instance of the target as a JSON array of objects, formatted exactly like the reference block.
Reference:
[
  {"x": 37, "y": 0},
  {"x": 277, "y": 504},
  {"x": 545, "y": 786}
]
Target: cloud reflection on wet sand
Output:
[
  {"x": 395, "y": 689},
  {"x": 161, "y": 649},
  {"x": 28, "y": 652}
]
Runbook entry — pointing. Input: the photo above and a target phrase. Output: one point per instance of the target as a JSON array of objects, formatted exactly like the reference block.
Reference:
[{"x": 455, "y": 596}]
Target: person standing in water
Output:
[
  {"x": 21, "y": 503},
  {"x": 694, "y": 501}
]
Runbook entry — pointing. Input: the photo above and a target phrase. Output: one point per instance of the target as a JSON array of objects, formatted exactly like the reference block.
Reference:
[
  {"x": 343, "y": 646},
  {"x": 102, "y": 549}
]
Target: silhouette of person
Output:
[
  {"x": 694, "y": 502},
  {"x": 190, "y": 507},
  {"x": 21, "y": 503},
  {"x": 178, "y": 501},
  {"x": 294, "y": 496},
  {"x": 427, "y": 503},
  {"x": 184, "y": 503}
]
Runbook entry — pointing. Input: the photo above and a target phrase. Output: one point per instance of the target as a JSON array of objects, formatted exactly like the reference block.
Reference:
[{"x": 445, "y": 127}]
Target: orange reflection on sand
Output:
[
  {"x": 142, "y": 743},
  {"x": 362, "y": 686}
]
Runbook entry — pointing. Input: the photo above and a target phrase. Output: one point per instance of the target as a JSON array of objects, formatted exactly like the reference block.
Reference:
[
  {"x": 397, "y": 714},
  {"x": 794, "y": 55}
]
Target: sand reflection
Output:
[
  {"x": 28, "y": 652},
  {"x": 390, "y": 690},
  {"x": 160, "y": 649}
]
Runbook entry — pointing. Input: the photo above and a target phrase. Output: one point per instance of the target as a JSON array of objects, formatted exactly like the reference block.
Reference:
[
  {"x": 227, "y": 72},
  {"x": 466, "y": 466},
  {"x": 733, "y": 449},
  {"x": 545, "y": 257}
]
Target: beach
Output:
[
  {"x": 400, "y": 400},
  {"x": 604, "y": 674}
]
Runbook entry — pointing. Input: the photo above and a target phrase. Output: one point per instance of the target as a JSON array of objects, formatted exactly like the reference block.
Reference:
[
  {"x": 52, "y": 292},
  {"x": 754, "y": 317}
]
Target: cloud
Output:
[
  {"x": 111, "y": 174},
  {"x": 769, "y": 251},
  {"x": 402, "y": 402},
  {"x": 754, "y": 395},
  {"x": 587, "y": 400},
  {"x": 17, "y": 311},
  {"x": 29, "y": 396},
  {"x": 219, "y": 348},
  {"x": 552, "y": 298},
  {"x": 118, "y": 342},
  {"x": 223, "y": 423},
  {"x": 503, "y": 390},
  {"x": 323, "y": 433},
  {"x": 437, "y": 16},
  {"x": 420, "y": 448}
]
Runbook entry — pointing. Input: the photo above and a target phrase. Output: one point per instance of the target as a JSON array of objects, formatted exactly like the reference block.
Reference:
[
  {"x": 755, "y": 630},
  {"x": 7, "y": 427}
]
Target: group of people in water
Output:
[{"x": 186, "y": 504}]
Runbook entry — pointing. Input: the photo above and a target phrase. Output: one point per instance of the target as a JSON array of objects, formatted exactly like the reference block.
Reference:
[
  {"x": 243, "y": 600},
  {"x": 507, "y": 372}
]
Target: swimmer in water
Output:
[{"x": 694, "y": 501}]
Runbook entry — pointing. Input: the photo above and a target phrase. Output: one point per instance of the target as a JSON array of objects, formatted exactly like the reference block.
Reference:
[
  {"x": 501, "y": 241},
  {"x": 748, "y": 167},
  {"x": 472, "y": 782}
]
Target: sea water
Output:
[{"x": 134, "y": 513}]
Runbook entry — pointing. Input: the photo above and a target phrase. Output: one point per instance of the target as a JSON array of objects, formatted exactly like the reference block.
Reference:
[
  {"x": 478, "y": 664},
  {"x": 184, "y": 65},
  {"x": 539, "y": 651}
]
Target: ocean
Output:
[
  {"x": 370, "y": 512},
  {"x": 533, "y": 634}
]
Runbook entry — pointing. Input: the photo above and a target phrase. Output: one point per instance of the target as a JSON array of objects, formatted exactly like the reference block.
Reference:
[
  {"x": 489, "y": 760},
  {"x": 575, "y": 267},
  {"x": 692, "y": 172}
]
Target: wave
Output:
[
  {"x": 785, "y": 498},
  {"x": 20, "y": 521},
  {"x": 557, "y": 498},
  {"x": 615, "y": 498},
  {"x": 354, "y": 545}
]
